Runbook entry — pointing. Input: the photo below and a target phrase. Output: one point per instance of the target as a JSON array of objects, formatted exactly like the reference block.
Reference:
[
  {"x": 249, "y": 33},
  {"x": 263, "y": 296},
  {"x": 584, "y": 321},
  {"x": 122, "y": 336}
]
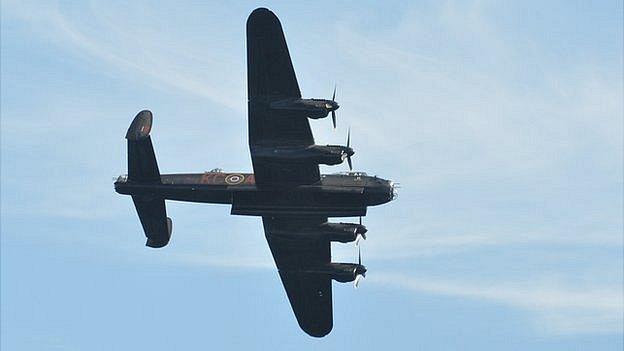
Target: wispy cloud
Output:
[
  {"x": 247, "y": 262},
  {"x": 557, "y": 308},
  {"x": 133, "y": 52},
  {"x": 475, "y": 117}
]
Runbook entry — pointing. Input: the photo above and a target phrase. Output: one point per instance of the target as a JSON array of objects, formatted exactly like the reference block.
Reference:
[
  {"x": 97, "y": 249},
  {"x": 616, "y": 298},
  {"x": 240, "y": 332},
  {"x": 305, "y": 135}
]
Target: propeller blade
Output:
[
  {"x": 334, "y": 96},
  {"x": 349, "y": 137},
  {"x": 357, "y": 280},
  {"x": 363, "y": 234},
  {"x": 334, "y": 118},
  {"x": 359, "y": 257},
  {"x": 348, "y": 144},
  {"x": 358, "y": 238},
  {"x": 359, "y": 277}
]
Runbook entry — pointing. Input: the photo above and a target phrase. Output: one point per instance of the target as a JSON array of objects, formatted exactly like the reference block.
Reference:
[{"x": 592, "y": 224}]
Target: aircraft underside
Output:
[{"x": 286, "y": 188}]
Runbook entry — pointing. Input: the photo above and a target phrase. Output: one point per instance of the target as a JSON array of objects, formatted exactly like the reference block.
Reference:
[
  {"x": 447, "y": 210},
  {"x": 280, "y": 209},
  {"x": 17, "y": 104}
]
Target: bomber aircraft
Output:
[{"x": 286, "y": 188}]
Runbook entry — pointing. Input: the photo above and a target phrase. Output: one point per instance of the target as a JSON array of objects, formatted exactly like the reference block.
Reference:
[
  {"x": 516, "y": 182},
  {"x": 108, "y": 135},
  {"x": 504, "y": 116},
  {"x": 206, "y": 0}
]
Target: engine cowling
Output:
[
  {"x": 343, "y": 232},
  {"x": 318, "y": 154},
  {"x": 339, "y": 232},
  {"x": 312, "y": 108},
  {"x": 341, "y": 272}
]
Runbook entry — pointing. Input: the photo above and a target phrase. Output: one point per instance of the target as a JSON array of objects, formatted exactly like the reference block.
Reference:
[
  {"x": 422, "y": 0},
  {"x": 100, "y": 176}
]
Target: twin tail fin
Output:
[{"x": 143, "y": 168}]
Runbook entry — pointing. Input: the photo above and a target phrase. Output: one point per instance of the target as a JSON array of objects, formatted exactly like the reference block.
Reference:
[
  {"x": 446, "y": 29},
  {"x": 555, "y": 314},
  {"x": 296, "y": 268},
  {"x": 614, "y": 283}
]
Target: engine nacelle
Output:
[
  {"x": 340, "y": 232},
  {"x": 341, "y": 272},
  {"x": 316, "y": 154},
  {"x": 312, "y": 108},
  {"x": 343, "y": 232}
]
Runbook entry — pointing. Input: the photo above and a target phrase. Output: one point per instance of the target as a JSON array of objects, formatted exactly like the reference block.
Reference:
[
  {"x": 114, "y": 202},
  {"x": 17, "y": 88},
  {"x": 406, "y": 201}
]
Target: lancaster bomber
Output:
[{"x": 286, "y": 188}]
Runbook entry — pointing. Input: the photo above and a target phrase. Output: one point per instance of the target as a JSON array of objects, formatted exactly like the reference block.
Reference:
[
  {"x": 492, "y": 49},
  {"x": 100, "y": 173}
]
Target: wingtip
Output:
[{"x": 141, "y": 126}]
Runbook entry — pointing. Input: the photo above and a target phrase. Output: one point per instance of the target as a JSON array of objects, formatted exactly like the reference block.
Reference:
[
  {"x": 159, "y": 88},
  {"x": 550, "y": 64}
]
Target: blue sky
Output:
[{"x": 502, "y": 122}]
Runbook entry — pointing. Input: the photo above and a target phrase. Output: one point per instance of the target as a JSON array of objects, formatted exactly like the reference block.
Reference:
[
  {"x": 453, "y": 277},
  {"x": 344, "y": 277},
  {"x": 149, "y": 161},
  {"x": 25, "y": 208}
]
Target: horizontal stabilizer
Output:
[{"x": 153, "y": 215}]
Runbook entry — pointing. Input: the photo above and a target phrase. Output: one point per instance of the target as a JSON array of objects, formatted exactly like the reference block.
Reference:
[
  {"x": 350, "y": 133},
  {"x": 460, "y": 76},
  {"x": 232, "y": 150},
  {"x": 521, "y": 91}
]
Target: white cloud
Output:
[
  {"x": 557, "y": 308},
  {"x": 224, "y": 261}
]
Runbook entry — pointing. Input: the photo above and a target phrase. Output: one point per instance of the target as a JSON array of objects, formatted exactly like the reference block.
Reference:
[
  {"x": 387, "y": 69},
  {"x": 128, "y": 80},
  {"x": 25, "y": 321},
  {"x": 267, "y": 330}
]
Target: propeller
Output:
[
  {"x": 360, "y": 236},
  {"x": 333, "y": 110},
  {"x": 361, "y": 276},
  {"x": 348, "y": 144}
]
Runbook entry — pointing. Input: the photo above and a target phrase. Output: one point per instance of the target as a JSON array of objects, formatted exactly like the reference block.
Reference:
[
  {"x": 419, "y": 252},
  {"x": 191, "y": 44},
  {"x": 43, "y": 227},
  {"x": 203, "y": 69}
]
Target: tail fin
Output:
[
  {"x": 142, "y": 168},
  {"x": 153, "y": 215}
]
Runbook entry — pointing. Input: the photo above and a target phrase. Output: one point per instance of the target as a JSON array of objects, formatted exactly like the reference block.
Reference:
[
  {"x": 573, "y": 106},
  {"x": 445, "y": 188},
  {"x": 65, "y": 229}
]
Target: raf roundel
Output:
[{"x": 234, "y": 179}]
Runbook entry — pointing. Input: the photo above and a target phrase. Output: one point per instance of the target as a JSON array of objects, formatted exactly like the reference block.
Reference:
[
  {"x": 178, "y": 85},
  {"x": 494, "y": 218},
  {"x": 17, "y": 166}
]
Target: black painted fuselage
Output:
[{"x": 335, "y": 195}]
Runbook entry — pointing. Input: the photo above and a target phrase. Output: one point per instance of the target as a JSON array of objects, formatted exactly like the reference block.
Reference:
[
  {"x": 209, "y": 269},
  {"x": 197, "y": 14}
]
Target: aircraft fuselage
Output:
[{"x": 335, "y": 195}]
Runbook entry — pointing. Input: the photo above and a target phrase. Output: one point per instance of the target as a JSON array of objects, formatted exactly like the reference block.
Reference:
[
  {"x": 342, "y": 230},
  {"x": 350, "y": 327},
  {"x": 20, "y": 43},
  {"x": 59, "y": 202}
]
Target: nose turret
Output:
[
  {"x": 394, "y": 190},
  {"x": 380, "y": 191}
]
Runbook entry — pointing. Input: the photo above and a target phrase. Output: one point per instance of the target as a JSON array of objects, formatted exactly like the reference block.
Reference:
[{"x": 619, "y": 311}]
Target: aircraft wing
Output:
[
  {"x": 310, "y": 293},
  {"x": 271, "y": 77},
  {"x": 269, "y": 66}
]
